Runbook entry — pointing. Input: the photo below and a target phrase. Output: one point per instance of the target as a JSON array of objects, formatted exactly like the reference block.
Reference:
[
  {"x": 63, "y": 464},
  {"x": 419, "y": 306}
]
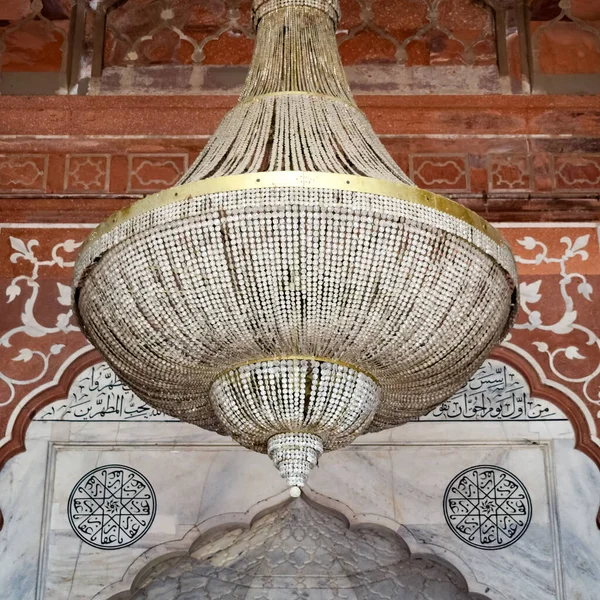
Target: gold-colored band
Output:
[
  {"x": 297, "y": 179},
  {"x": 297, "y": 357}
]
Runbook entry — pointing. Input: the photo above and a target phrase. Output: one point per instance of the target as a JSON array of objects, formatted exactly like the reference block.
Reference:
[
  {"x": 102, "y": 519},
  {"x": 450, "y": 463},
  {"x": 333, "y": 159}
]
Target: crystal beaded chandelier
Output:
[{"x": 295, "y": 289}]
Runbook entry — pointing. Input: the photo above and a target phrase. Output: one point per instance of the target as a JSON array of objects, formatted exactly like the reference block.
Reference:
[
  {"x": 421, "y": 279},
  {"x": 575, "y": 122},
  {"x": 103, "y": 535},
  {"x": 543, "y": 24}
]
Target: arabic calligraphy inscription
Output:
[
  {"x": 99, "y": 395},
  {"x": 496, "y": 392},
  {"x": 487, "y": 507},
  {"x": 112, "y": 507}
]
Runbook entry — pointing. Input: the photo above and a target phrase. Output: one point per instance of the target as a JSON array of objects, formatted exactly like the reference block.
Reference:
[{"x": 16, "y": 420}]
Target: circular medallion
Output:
[
  {"x": 487, "y": 507},
  {"x": 112, "y": 507}
]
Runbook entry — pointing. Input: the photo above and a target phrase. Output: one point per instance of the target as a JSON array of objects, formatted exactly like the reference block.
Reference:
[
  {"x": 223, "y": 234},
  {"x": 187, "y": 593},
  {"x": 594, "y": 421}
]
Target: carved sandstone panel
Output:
[
  {"x": 34, "y": 38},
  {"x": 565, "y": 42},
  {"x": 577, "y": 172},
  {"x": 417, "y": 33},
  {"x": 23, "y": 172},
  {"x": 218, "y": 32},
  {"x": 151, "y": 172},
  {"x": 178, "y": 32},
  {"x": 87, "y": 173},
  {"x": 440, "y": 172},
  {"x": 509, "y": 172}
]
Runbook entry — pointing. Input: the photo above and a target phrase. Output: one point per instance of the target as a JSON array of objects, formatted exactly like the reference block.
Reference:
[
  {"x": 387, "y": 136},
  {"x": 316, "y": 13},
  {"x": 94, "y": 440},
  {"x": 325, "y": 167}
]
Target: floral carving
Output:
[
  {"x": 571, "y": 339},
  {"x": 29, "y": 325}
]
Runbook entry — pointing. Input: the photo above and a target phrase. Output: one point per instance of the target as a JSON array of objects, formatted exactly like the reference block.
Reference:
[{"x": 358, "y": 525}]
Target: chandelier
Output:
[{"x": 295, "y": 289}]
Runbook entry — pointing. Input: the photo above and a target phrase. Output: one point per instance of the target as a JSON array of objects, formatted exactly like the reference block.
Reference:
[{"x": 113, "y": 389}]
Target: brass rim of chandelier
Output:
[{"x": 300, "y": 179}]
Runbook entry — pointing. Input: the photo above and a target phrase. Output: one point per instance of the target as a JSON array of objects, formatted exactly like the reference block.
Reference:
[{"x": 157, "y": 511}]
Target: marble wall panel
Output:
[{"x": 395, "y": 479}]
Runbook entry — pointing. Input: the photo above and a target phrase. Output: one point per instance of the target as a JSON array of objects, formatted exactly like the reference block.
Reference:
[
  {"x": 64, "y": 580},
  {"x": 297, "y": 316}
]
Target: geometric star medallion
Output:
[
  {"x": 487, "y": 507},
  {"x": 112, "y": 507}
]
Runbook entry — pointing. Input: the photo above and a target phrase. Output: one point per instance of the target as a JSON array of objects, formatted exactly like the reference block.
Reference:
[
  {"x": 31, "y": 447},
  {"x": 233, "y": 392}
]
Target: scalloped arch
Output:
[{"x": 140, "y": 571}]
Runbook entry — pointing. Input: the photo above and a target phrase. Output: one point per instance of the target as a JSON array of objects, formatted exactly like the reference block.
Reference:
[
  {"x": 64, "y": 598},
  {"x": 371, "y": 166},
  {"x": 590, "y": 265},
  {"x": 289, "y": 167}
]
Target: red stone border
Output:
[
  {"x": 509, "y": 158},
  {"x": 199, "y": 115},
  {"x": 583, "y": 435},
  {"x": 60, "y": 390}
]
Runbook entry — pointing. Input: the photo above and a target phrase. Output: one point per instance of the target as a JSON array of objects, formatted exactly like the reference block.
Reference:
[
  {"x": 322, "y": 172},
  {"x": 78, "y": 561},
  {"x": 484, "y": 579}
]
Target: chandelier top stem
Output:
[
  {"x": 296, "y": 50},
  {"x": 296, "y": 112},
  {"x": 261, "y": 8}
]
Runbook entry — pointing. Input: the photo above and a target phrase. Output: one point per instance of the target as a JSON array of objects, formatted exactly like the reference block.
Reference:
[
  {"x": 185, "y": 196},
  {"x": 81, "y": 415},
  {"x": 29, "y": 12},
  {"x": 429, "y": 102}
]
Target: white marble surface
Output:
[
  {"x": 407, "y": 484},
  {"x": 22, "y": 487},
  {"x": 191, "y": 484},
  {"x": 394, "y": 478},
  {"x": 578, "y": 500}
]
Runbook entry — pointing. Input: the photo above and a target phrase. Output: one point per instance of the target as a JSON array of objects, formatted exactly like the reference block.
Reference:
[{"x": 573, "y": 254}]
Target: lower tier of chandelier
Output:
[
  {"x": 200, "y": 298},
  {"x": 316, "y": 405}
]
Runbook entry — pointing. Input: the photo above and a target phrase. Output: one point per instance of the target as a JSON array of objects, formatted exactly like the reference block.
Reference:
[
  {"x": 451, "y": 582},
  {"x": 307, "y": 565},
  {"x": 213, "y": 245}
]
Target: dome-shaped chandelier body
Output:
[{"x": 295, "y": 289}]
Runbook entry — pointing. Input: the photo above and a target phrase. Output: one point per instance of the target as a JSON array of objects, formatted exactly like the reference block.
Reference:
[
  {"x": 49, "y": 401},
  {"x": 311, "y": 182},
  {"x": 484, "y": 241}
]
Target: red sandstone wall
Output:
[{"x": 397, "y": 46}]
